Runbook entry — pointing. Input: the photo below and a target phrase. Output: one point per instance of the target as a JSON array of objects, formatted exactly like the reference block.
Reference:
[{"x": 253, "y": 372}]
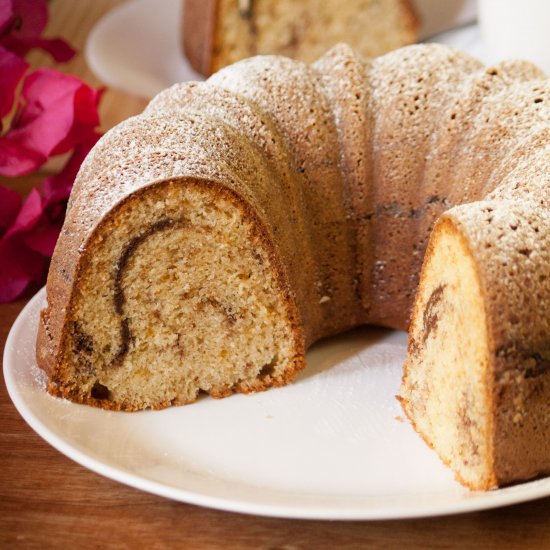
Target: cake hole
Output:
[
  {"x": 101, "y": 392},
  {"x": 268, "y": 369},
  {"x": 202, "y": 393},
  {"x": 538, "y": 100}
]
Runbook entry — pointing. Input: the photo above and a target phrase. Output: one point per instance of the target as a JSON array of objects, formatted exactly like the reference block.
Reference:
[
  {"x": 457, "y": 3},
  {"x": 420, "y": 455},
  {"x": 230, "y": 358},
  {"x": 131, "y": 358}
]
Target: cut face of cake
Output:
[
  {"x": 447, "y": 383},
  {"x": 181, "y": 294}
]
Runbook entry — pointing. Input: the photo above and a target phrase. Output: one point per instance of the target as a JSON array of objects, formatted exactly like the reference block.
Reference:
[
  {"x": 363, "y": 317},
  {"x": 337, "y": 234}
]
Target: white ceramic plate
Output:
[
  {"x": 332, "y": 445},
  {"x": 136, "y": 47}
]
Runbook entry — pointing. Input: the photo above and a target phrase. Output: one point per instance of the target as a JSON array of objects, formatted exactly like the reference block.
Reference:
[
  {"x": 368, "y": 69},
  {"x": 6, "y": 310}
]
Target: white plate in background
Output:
[
  {"x": 136, "y": 47},
  {"x": 332, "y": 445}
]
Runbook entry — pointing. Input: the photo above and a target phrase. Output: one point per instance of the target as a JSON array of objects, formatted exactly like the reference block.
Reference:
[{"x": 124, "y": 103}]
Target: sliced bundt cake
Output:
[{"x": 212, "y": 239}]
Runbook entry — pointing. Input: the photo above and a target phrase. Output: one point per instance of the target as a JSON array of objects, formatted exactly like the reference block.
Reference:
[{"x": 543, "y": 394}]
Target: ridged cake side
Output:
[{"x": 477, "y": 375}]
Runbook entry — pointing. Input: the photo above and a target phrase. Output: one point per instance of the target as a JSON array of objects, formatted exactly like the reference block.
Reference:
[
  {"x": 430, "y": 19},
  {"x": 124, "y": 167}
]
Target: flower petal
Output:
[
  {"x": 43, "y": 239},
  {"x": 10, "y": 204},
  {"x": 6, "y": 16},
  {"x": 21, "y": 24},
  {"x": 16, "y": 159},
  {"x": 28, "y": 216},
  {"x": 58, "y": 187},
  {"x": 60, "y": 111},
  {"x": 19, "y": 266},
  {"x": 86, "y": 118},
  {"x": 60, "y": 50},
  {"x": 30, "y": 16},
  {"x": 12, "y": 69}
]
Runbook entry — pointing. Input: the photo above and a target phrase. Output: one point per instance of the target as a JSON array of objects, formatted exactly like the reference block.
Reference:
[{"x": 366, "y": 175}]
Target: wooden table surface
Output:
[{"x": 48, "y": 501}]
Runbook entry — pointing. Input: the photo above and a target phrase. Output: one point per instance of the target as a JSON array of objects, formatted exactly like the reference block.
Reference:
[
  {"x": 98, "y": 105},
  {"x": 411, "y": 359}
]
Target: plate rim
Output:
[{"x": 524, "y": 492}]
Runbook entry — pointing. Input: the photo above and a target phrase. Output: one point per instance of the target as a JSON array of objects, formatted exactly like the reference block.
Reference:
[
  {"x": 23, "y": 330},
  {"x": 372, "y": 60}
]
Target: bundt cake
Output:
[
  {"x": 217, "y": 33},
  {"x": 210, "y": 240}
]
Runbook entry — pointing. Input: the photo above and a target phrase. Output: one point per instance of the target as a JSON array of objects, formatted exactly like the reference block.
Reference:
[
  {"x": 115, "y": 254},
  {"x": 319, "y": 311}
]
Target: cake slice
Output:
[
  {"x": 478, "y": 363},
  {"x": 219, "y": 32}
]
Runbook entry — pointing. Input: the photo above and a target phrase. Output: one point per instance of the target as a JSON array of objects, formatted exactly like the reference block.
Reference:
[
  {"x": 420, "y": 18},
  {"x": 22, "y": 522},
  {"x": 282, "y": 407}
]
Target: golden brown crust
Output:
[
  {"x": 199, "y": 29},
  {"x": 45, "y": 353},
  {"x": 413, "y": 19}
]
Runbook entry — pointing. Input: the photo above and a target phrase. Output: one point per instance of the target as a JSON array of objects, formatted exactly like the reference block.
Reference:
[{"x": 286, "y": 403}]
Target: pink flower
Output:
[
  {"x": 19, "y": 265},
  {"x": 12, "y": 69},
  {"x": 58, "y": 187},
  {"x": 10, "y": 204},
  {"x": 29, "y": 231},
  {"x": 21, "y": 24},
  {"x": 56, "y": 112}
]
